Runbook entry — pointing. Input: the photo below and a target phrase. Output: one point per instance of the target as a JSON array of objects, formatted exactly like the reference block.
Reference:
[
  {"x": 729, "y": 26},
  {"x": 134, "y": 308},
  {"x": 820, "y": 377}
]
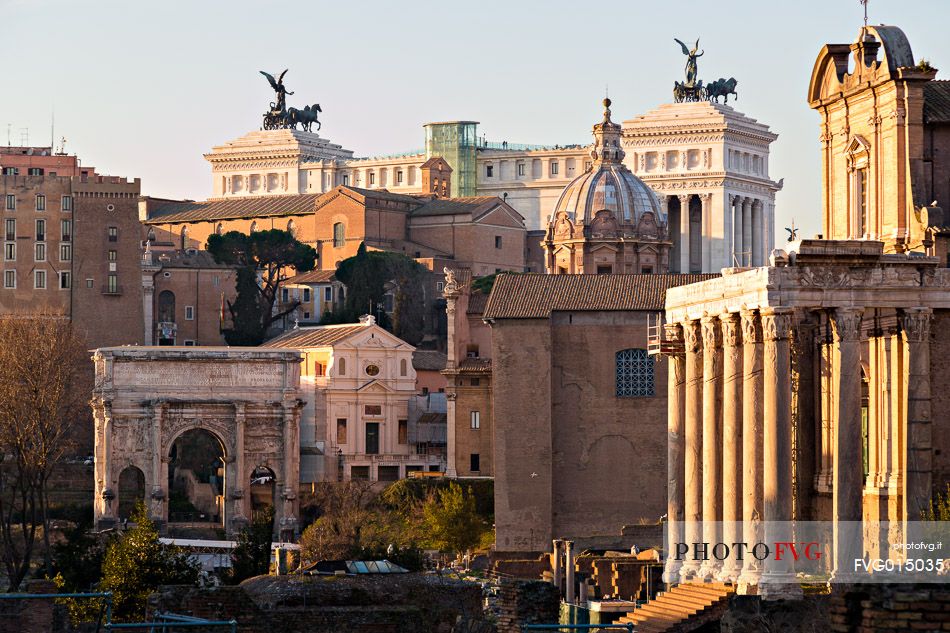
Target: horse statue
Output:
[
  {"x": 306, "y": 117},
  {"x": 722, "y": 88},
  {"x": 683, "y": 92}
]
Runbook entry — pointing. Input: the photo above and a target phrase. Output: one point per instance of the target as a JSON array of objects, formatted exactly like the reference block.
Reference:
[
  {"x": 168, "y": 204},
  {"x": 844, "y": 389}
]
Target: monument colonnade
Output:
[{"x": 730, "y": 438}]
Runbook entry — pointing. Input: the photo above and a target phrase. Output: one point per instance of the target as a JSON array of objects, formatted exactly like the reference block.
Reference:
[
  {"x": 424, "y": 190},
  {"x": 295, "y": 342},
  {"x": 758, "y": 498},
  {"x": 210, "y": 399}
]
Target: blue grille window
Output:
[{"x": 635, "y": 375}]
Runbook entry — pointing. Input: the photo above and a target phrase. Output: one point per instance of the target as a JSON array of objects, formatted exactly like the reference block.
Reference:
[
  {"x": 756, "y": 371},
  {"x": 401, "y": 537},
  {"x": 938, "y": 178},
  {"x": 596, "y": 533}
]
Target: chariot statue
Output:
[
  {"x": 280, "y": 116},
  {"x": 693, "y": 89}
]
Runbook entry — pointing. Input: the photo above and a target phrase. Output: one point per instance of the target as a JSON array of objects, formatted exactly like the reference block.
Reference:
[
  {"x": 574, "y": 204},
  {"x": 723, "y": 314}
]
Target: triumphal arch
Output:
[{"x": 239, "y": 409}]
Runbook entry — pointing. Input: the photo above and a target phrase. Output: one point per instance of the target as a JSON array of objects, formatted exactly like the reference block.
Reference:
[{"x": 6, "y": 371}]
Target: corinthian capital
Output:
[
  {"x": 846, "y": 323},
  {"x": 712, "y": 332},
  {"x": 731, "y": 329},
  {"x": 776, "y": 323},
  {"x": 751, "y": 329},
  {"x": 691, "y": 333},
  {"x": 915, "y": 322}
]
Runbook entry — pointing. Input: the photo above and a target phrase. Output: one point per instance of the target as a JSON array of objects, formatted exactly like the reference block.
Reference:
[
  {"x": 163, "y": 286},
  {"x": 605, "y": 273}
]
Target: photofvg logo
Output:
[
  {"x": 811, "y": 551},
  {"x": 778, "y": 550}
]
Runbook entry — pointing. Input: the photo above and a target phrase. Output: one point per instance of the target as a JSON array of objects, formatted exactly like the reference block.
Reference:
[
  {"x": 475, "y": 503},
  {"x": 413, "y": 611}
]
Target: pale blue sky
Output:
[{"x": 143, "y": 88}]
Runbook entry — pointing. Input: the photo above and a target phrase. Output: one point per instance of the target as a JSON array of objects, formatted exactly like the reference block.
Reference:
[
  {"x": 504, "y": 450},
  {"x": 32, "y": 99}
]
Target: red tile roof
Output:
[
  {"x": 233, "y": 209},
  {"x": 318, "y": 336},
  {"x": 475, "y": 364},
  {"x": 456, "y": 206},
  {"x": 937, "y": 102},
  {"x": 313, "y": 277},
  {"x": 535, "y": 296},
  {"x": 428, "y": 360},
  {"x": 476, "y": 303}
]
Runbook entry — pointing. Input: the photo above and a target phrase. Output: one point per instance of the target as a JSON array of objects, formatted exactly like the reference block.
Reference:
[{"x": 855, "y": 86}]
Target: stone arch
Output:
[
  {"x": 197, "y": 481},
  {"x": 131, "y": 490},
  {"x": 262, "y": 488}
]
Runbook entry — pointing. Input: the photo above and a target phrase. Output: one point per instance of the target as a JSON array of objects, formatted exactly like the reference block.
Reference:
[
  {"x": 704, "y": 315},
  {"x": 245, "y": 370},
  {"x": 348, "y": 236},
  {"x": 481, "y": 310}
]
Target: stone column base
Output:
[
  {"x": 779, "y": 587},
  {"x": 105, "y": 523}
]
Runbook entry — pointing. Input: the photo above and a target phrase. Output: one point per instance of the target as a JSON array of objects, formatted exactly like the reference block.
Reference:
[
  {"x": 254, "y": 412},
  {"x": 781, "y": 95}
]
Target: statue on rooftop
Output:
[
  {"x": 279, "y": 89},
  {"x": 282, "y": 117},
  {"x": 692, "y": 68}
]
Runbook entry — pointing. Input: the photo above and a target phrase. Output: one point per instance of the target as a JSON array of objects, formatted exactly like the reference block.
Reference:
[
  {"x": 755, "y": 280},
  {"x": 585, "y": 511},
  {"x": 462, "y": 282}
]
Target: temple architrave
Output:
[
  {"x": 245, "y": 400},
  {"x": 773, "y": 369}
]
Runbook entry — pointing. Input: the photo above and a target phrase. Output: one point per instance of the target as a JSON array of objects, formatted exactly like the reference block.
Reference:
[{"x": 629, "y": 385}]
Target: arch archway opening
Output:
[
  {"x": 131, "y": 491},
  {"x": 263, "y": 489},
  {"x": 196, "y": 480}
]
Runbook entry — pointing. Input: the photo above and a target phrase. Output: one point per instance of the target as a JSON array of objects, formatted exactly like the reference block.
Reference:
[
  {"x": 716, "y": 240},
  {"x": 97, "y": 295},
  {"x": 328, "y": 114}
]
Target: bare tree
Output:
[{"x": 45, "y": 381}]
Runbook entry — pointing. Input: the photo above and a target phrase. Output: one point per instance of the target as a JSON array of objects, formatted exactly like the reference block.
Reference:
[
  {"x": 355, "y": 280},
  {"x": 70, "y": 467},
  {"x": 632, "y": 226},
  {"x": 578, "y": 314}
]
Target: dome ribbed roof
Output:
[{"x": 609, "y": 184}]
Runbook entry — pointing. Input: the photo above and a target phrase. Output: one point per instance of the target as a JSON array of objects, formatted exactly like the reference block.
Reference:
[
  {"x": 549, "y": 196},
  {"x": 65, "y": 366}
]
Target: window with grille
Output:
[
  {"x": 39, "y": 279},
  {"x": 11, "y": 202},
  {"x": 9, "y": 251},
  {"x": 66, "y": 228},
  {"x": 9, "y": 279},
  {"x": 635, "y": 375},
  {"x": 65, "y": 252},
  {"x": 67, "y": 203},
  {"x": 10, "y": 230},
  {"x": 41, "y": 203}
]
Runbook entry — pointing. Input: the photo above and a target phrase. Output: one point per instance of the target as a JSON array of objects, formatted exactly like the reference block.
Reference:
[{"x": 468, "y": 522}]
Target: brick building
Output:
[
  {"x": 72, "y": 244},
  {"x": 579, "y": 407},
  {"x": 468, "y": 375}
]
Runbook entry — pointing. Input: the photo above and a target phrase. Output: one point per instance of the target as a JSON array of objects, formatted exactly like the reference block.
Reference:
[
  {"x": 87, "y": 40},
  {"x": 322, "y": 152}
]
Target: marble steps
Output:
[{"x": 673, "y": 609}]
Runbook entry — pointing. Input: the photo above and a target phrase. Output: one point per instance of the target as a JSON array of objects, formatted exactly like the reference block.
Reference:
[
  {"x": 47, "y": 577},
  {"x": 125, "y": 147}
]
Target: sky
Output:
[{"x": 143, "y": 88}]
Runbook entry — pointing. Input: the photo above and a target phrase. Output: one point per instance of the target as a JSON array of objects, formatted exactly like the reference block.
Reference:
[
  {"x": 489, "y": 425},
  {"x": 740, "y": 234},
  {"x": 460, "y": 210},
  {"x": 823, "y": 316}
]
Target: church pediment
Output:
[{"x": 374, "y": 386}]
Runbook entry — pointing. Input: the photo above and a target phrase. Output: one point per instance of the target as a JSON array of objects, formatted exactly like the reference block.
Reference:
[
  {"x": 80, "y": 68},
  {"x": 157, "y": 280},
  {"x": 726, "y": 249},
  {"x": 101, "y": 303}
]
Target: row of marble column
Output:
[
  {"x": 730, "y": 442},
  {"x": 748, "y": 246}
]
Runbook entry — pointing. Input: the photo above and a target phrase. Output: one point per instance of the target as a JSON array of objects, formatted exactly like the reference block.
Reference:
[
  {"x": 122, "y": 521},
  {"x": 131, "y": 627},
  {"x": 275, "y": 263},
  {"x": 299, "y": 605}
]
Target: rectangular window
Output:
[
  {"x": 189, "y": 343},
  {"x": 373, "y": 409},
  {"x": 306, "y": 294},
  {"x": 554, "y": 168},
  {"x": 359, "y": 473},
  {"x": 346, "y": 180},
  {"x": 372, "y": 178},
  {"x": 41, "y": 203},
  {"x": 489, "y": 171},
  {"x": 372, "y": 438},
  {"x": 113, "y": 234},
  {"x": 521, "y": 169},
  {"x": 476, "y": 420},
  {"x": 9, "y": 251},
  {"x": 90, "y": 283},
  {"x": 39, "y": 279},
  {"x": 10, "y": 233},
  {"x": 67, "y": 203},
  {"x": 113, "y": 283},
  {"x": 339, "y": 235},
  {"x": 497, "y": 241},
  {"x": 403, "y": 431},
  {"x": 635, "y": 374},
  {"x": 11, "y": 171},
  {"x": 341, "y": 430},
  {"x": 65, "y": 252},
  {"x": 862, "y": 203},
  {"x": 34, "y": 171},
  {"x": 475, "y": 463},
  {"x": 65, "y": 280},
  {"x": 189, "y": 313},
  {"x": 40, "y": 254},
  {"x": 285, "y": 295},
  {"x": 66, "y": 228},
  {"x": 11, "y": 202},
  {"x": 398, "y": 177},
  {"x": 41, "y": 230},
  {"x": 328, "y": 294},
  {"x": 9, "y": 279},
  {"x": 440, "y": 286},
  {"x": 112, "y": 255}
]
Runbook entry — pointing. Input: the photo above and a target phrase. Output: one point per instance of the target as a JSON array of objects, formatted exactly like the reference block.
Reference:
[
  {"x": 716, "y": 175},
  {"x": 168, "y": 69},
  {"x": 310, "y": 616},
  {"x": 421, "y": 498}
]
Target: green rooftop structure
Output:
[{"x": 456, "y": 142}]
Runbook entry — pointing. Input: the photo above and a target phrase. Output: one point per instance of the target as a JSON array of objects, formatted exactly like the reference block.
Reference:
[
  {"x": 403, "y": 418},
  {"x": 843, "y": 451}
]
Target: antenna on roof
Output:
[{"x": 865, "y": 3}]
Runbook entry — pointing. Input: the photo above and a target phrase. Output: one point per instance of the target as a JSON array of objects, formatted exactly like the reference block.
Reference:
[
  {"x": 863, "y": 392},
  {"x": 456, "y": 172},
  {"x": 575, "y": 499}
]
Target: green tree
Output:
[
  {"x": 251, "y": 557},
  {"x": 137, "y": 563},
  {"x": 369, "y": 276},
  {"x": 264, "y": 260},
  {"x": 77, "y": 559},
  {"x": 939, "y": 509},
  {"x": 450, "y": 518}
]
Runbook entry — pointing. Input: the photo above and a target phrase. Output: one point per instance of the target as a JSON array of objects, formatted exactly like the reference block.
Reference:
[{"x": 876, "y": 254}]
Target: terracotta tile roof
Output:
[
  {"x": 535, "y": 296},
  {"x": 313, "y": 277},
  {"x": 476, "y": 303},
  {"x": 317, "y": 336},
  {"x": 428, "y": 360},
  {"x": 380, "y": 194},
  {"x": 251, "y": 207},
  {"x": 937, "y": 102},
  {"x": 432, "y": 161},
  {"x": 186, "y": 259},
  {"x": 475, "y": 364},
  {"x": 456, "y": 206}
]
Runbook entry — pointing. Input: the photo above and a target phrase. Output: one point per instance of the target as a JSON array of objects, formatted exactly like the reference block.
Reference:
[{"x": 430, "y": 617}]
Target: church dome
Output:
[{"x": 609, "y": 185}]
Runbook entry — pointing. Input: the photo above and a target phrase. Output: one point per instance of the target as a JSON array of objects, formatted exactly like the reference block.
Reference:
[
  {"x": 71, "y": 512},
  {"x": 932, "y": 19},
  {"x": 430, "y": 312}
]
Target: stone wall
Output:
[
  {"x": 405, "y": 603},
  {"x": 523, "y": 602}
]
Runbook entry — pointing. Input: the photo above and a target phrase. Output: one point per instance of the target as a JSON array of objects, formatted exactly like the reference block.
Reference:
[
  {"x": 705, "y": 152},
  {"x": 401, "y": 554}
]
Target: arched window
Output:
[
  {"x": 339, "y": 235},
  {"x": 166, "y": 306},
  {"x": 403, "y": 367},
  {"x": 342, "y": 367},
  {"x": 635, "y": 374}
]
